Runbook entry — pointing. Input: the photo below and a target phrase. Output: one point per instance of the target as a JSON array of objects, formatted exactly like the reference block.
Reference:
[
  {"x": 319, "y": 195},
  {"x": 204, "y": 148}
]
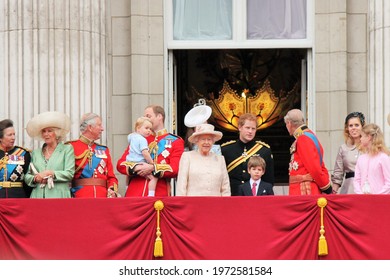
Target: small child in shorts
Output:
[{"x": 139, "y": 148}]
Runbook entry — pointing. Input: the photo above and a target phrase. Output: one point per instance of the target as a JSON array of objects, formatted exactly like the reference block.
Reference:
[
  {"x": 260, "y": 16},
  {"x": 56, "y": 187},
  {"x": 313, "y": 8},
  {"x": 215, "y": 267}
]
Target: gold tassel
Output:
[
  {"x": 322, "y": 244},
  {"x": 158, "y": 245}
]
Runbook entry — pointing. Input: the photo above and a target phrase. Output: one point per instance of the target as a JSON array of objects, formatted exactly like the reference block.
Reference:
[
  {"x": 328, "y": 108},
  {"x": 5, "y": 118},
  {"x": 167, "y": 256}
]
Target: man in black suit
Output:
[{"x": 255, "y": 186}]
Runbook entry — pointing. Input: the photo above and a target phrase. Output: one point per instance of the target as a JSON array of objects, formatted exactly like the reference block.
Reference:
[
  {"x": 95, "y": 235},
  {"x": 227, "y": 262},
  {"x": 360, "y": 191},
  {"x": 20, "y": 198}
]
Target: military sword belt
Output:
[
  {"x": 295, "y": 179},
  {"x": 8, "y": 184},
  {"x": 90, "y": 182}
]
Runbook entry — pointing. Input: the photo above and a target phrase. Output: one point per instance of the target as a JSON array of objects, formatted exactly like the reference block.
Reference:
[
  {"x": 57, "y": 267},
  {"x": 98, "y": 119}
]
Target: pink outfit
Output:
[{"x": 376, "y": 171}]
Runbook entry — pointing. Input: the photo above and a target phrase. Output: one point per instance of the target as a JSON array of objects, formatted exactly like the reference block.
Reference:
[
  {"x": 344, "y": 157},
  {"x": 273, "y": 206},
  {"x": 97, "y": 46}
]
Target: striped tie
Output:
[{"x": 254, "y": 189}]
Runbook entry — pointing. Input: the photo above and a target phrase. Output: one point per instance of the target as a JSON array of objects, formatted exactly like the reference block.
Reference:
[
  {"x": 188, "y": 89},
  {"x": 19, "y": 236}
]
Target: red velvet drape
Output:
[{"x": 204, "y": 228}]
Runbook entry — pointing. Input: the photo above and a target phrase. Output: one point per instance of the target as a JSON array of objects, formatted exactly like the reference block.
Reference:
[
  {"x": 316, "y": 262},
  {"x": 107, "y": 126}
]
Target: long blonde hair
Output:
[{"x": 377, "y": 139}]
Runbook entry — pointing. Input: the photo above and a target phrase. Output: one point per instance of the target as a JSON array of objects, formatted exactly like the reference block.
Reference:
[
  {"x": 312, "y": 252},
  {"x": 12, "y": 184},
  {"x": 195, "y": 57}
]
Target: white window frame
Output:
[{"x": 238, "y": 41}]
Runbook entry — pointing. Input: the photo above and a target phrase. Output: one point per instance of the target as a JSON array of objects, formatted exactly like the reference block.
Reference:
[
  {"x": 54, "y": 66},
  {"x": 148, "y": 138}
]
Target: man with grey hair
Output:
[
  {"x": 307, "y": 171},
  {"x": 94, "y": 175}
]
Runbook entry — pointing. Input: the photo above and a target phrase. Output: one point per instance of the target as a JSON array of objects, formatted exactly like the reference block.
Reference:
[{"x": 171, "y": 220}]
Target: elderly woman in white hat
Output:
[
  {"x": 52, "y": 166},
  {"x": 202, "y": 172}
]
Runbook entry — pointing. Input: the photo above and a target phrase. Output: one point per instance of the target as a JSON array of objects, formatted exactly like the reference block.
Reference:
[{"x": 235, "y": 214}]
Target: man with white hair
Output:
[
  {"x": 94, "y": 174},
  {"x": 308, "y": 174}
]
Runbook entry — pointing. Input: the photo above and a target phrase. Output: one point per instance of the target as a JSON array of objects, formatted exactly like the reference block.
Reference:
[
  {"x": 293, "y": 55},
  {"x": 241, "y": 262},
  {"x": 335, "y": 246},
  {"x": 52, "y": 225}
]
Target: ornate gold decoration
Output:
[
  {"x": 158, "y": 245},
  {"x": 265, "y": 104},
  {"x": 322, "y": 245},
  {"x": 3, "y": 162}
]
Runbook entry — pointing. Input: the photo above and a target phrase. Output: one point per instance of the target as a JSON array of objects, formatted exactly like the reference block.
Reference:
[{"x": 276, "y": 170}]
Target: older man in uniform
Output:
[
  {"x": 308, "y": 174},
  {"x": 238, "y": 152},
  {"x": 94, "y": 174},
  {"x": 166, "y": 150}
]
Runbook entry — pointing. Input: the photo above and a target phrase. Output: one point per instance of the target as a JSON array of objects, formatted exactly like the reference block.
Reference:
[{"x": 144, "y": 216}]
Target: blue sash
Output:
[
  {"x": 88, "y": 170},
  {"x": 316, "y": 143},
  {"x": 11, "y": 166},
  {"x": 168, "y": 140}
]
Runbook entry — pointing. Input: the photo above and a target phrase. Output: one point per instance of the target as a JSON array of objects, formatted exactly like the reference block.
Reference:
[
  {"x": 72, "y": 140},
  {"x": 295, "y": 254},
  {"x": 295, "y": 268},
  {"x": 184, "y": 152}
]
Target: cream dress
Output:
[
  {"x": 345, "y": 162},
  {"x": 202, "y": 175}
]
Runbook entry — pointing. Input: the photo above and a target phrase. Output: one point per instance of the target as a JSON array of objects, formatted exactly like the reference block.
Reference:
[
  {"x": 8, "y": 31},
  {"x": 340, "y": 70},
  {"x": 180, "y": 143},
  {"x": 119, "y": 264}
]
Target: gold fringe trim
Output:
[
  {"x": 158, "y": 245},
  {"x": 86, "y": 155},
  {"x": 322, "y": 244},
  {"x": 158, "y": 167}
]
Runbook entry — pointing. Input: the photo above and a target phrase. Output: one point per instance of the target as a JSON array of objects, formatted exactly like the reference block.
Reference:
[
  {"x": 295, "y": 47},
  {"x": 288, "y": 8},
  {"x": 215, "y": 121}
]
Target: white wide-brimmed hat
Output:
[
  {"x": 48, "y": 119},
  {"x": 203, "y": 129},
  {"x": 197, "y": 115}
]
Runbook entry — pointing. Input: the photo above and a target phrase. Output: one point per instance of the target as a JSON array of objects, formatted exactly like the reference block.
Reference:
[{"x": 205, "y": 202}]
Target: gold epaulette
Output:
[
  {"x": 228, "y": 143},
  {"x": 23, "y": 148},
  {"x": 130, "y": 164},
  {"x": 263, "y": 143}
]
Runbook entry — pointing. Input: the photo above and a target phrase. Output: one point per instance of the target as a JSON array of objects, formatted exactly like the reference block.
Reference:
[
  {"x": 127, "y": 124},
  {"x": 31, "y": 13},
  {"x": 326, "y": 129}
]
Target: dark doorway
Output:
[{"x": 203, "y": 73}]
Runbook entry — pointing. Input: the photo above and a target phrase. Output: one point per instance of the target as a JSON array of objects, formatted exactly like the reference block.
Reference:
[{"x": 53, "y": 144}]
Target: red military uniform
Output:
[
  {"x": 308, "y": 174},
  {"x": 166, "y": 150},
  {"x": 94, "y": 172}
]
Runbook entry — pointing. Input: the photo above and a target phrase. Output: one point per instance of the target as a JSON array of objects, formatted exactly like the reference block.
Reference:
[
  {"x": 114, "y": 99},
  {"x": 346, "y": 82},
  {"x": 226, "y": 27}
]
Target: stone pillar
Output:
[
  {"x": 52, "y": 57},
  {"x": 379, "y": 64},
  {"x": 331, "y": 74},
  {"x": 136, "y": 59}
]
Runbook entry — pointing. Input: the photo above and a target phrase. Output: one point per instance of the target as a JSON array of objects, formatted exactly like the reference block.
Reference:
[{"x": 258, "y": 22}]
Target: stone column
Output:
[
  {"x": 52, "y": 57},
  {"x": 331, "y": 74},
  {"x": 379, "y": 64}
]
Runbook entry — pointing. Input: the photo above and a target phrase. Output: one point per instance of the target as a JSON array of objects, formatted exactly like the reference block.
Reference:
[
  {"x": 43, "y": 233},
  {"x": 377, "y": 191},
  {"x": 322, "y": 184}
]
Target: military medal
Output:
[
  {"x": 13, "y": 177},
  {"x": 244, "y": 154},
  {"x": 100, "y": 153},
  {"x": 293, "y": 147},
  {"x": 293, "y": 165},
  {"x": 19, "y": 169},
  {"x": 168, "y": 143},
  {"x": 15, "y": 159},
  {"x": 165, "y": 153}
]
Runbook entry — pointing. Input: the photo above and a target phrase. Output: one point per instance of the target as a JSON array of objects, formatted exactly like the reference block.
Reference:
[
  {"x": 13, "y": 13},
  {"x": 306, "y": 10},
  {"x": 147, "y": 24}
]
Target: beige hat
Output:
[
  {"x": 48, "y": 119},
  {"x": 203, "y": 129}
]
